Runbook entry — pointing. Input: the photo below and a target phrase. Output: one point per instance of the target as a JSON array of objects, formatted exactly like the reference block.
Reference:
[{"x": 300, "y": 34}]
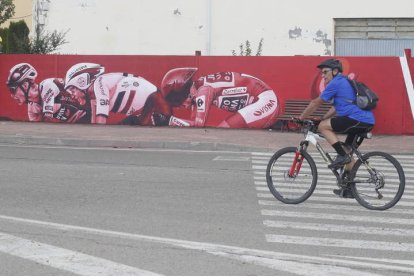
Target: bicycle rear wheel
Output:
[
  {"x": 291, "y": 189},
  {"x": 382, "y": 188}
]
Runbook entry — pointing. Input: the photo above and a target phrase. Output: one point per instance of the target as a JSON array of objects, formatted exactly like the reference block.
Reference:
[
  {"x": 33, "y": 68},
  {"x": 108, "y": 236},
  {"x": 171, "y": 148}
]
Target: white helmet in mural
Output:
[
  {"x": 176, "y": 84},
  {"x": 82, "y": 75},
  {"x": 20, "y": 73}
]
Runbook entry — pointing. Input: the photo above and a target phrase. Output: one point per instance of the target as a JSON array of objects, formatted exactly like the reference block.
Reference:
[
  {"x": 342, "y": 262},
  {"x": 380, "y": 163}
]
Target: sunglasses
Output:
[
  {"x": 12, "y": 90},
  {"x": 324, "y": 72}
]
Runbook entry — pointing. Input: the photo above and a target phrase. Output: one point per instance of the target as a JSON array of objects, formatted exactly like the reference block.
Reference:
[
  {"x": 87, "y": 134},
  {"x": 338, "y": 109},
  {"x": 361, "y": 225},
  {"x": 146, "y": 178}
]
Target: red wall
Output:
[{"x": 293, "y": 77}]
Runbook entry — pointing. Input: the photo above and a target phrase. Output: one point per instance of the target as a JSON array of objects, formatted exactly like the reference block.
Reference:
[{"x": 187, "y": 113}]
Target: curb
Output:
[{"x": 107, "y": 143}]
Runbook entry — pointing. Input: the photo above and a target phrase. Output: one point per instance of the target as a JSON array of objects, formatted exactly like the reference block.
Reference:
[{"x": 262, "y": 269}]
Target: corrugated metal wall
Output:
[{"x": 373, "y": 36}]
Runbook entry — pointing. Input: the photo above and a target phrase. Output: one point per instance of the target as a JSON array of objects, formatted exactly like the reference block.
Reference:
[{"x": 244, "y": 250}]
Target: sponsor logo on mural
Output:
[
  {"x": 268, "y": 107},
  {"x": 177, "y": 122},
  {"x": 101, "y": 88},
  {"x": 235, "y": 90},
  {"x": 201, "y": 103},
  {"x": 104, "y": 102},
  {"x": 78, "y": 70},
  {"x": 48, "y": 95},
  {"x": 62, "y": 114},
  {"x": 81, "y": 81},
  {"x": 233, "y": 103}
]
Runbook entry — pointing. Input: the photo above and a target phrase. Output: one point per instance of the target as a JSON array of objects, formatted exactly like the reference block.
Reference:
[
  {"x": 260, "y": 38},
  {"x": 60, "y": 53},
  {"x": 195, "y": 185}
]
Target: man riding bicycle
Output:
[{"x": 345, "y": 117}]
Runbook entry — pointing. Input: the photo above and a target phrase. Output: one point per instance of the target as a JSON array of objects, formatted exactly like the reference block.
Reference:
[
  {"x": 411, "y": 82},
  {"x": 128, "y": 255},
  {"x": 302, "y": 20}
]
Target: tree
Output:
[
  {"x": 3, "y": 36},
  {"x": 46, "y": 43},
  {"x": 246, "y": 50},
  {"x": 17, "y": 38},
  {"x": 6, "y": 10}
]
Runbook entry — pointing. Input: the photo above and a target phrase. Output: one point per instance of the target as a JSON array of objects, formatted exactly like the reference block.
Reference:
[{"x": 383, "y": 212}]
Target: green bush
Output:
[
  {"x": 246, "y": 50},
  {"x": 18, "y": 38}
]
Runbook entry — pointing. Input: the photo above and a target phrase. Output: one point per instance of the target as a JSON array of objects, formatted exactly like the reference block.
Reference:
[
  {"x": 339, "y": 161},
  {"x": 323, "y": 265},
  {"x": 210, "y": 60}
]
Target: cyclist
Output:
[
  {"x": 345, "y": 117},
  {"x": 47, "y": 101},
  {"x": 251, "y": 103},
  {"x": 121, "y": 93}
]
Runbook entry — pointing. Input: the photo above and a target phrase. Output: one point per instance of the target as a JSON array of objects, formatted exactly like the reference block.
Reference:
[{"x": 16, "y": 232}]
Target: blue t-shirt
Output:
[{"x": 340, "y": 92}]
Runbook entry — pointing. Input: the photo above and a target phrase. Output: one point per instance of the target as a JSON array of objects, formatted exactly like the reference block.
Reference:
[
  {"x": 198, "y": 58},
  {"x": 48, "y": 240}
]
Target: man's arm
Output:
[
  {"x": 311, "y": 108},
  {"x": 331, "y": 112}
]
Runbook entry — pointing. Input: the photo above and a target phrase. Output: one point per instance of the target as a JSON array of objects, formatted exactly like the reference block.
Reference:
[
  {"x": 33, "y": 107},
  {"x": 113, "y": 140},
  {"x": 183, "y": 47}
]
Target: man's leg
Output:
[{"x": 326, "y": 129}]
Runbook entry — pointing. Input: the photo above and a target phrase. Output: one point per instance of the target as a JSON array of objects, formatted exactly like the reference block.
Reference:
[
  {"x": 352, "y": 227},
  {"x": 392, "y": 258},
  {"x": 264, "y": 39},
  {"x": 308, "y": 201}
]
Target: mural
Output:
[
  {"x": 189, "y": 91},
  {"x": 89, "y": 94}
]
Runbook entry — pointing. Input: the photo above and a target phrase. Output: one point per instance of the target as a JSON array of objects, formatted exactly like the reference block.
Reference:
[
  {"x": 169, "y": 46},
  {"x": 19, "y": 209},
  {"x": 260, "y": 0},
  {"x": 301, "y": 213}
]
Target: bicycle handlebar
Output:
[{"x": 308, "y": 124}]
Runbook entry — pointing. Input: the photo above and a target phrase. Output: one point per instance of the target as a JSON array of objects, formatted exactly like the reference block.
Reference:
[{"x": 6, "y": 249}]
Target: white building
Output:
[{"x": 216, "y": 27}]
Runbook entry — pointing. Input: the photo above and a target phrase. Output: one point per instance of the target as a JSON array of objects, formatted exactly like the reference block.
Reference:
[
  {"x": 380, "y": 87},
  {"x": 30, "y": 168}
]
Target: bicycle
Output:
[{"x": 376, "y": 180}]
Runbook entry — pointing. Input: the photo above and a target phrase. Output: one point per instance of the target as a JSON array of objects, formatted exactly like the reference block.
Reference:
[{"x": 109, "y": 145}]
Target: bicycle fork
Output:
[
  {"x": 297, "y": 164},
  {"x": 298, "y": 160}
]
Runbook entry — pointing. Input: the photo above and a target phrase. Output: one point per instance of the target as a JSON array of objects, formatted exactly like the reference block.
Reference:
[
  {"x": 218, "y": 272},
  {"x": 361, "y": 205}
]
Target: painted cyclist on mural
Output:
[
  {"x": 46, "y": 101},
  {"x": 247, "y": 101}
]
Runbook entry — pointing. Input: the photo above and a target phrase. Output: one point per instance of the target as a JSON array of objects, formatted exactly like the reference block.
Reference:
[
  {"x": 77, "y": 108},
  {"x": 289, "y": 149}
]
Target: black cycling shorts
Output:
[{"x": 346, "y": 125}]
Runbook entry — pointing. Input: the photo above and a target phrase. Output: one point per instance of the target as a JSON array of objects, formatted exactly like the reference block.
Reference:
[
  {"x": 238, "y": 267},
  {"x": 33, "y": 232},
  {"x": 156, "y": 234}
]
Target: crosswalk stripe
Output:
[
  {"x": 331, "y": 242},
  {"x": 316, "y": 154},
  {"x": 320, "y": 169},
  {"x": 340, "y": 228},
  {"x": 322, "y": 191},
  {"x": 333, "y": 199},
  {"x": 330, "y": 207},
  {"x": 329, "y": 216}
]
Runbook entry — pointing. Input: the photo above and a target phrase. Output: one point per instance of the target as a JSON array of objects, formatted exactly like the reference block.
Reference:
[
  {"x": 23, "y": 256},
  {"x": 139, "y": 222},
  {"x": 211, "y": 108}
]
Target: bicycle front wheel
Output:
[
  {"x": 285, "y": 186},
  {"x": 379, "y": 182}
]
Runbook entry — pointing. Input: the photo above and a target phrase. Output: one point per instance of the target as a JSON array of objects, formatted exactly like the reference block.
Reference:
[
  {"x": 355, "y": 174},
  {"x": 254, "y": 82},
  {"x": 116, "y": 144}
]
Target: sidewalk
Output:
[{"x": 78, "y": 135}]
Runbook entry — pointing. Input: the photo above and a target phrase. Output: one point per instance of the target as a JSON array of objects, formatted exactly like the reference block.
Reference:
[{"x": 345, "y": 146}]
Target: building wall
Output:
[
  {"x": 23, "y": 11},
  {"x": 215, "y": 27}
]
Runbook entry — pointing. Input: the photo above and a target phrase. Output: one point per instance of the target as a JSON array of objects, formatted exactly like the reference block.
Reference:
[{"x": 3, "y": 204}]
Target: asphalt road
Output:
[{"x": 100, "y": 211}]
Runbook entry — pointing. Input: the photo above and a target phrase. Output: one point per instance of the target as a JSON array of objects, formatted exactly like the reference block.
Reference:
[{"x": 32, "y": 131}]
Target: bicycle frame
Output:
[
  {"x": 310, "y": 137},
  {"x": 313, "y": 138}
]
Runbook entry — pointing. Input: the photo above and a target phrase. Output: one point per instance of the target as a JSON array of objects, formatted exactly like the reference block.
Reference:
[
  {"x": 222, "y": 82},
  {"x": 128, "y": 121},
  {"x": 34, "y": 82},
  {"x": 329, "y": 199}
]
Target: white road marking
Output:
[
  {"x": 335, "y": 199},
  {"x": 292, "y": 263},
  {"x": 322, "y": 191},
  {"x": 341, "y": 217},
  {"x": 393, "y": 261},
  {"x": 331, "y": 242},
  {"x": 340, "y": 228},
  {"x": 232, "y": 158},
  {"x": 326, "y": 206},
  {"x": 64, "y": 259}
]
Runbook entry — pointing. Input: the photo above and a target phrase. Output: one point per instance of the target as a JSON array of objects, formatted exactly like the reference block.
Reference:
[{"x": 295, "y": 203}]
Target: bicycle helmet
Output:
[
  {"x": 331, "y": 63},
  {"x": 82, "y": 75},
  {"x": 175, "y": 86},
  {"x": 20, "y": 73}
]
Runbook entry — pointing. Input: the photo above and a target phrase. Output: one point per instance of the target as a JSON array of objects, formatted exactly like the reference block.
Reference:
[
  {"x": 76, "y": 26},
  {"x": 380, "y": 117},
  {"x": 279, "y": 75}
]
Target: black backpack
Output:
[{"x": 366, "y": 99}]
